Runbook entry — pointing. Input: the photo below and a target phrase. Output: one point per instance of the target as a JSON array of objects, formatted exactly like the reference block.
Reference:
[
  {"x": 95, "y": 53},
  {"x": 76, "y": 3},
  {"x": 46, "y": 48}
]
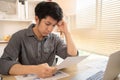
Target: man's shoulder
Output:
[
  {"x": 23, "y": 31},
  {"x": 20, "y": 32}
]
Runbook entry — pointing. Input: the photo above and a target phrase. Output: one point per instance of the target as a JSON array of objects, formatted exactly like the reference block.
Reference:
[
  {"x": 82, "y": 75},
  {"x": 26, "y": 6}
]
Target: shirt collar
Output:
[{"x": 30, "y": 32}]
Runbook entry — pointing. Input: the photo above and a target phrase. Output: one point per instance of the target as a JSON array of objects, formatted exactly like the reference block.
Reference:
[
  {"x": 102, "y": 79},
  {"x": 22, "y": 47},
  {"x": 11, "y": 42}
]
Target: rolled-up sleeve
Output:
[
  {"x": 11, "y": 52},
  {"x": 5, "y": 65},
  {"x": 61, "y": 48}
]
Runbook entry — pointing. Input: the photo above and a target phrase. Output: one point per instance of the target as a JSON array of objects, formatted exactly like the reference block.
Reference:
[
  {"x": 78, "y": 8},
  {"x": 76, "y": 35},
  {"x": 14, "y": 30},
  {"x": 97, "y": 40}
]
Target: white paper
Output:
[
  {"x": 98, "y": 62},
  {"x": 85, "y": 74},
  {"x": 26, "y": 77},
  {"x": 57, "y": 76},
  {"x": 70, "y": 61}
]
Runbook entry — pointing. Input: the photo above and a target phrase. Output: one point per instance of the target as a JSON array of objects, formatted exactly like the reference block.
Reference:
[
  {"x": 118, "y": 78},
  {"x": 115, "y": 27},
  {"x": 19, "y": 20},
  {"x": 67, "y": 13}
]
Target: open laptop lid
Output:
[{"x": 113, "y": 67}]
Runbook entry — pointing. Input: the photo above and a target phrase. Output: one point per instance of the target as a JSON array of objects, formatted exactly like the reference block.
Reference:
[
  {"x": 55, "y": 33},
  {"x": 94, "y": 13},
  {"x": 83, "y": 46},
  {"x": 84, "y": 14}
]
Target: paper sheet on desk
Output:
[
  {"x": 57, "y": 76},
  {"x": 70, "y": 61},
  {"x": 98, "y": 62}
]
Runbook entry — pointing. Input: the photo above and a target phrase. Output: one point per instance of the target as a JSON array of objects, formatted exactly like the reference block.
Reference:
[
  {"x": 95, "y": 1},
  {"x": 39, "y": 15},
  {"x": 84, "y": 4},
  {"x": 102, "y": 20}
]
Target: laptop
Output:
[{"x": 112, "y": 69}]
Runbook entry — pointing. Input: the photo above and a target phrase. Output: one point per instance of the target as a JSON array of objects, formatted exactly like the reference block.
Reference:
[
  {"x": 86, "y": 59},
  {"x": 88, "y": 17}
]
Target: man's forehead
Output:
[{"x": 50, "y": 20}]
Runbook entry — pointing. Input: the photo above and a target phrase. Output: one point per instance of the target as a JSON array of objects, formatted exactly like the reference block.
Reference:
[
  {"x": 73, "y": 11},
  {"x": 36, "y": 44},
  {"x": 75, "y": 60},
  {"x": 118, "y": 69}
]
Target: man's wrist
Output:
[{"x": 33, "y": 69}]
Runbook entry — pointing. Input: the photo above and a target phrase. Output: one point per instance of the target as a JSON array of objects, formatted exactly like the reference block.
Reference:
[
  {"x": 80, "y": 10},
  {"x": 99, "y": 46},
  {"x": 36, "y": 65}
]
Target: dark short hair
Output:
[{"x": 52, "y": 9}]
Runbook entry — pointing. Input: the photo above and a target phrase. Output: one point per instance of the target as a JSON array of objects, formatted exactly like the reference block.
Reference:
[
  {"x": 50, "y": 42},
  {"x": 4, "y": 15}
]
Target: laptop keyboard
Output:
[{"x": 97, "y": 76}]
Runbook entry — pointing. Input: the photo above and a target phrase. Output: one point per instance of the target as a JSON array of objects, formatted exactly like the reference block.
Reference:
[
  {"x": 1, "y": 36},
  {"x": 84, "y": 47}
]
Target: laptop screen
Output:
[{"x": 113, "y": 67}]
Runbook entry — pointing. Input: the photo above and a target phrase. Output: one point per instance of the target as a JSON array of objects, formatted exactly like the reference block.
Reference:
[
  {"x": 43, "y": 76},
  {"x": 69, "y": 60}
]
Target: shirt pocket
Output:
[{"x": 48, "y": 49}]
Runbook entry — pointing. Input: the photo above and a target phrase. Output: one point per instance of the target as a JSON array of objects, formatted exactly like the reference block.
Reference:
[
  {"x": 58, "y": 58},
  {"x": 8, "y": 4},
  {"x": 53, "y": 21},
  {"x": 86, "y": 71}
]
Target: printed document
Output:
[
  {"x": 57, "y": 76},
  {"x": 70, "y": 61}
]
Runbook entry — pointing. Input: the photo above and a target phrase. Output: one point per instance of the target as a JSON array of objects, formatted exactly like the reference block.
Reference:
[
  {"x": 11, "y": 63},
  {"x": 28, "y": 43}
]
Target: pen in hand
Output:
[{"x": 55, "y": 62}]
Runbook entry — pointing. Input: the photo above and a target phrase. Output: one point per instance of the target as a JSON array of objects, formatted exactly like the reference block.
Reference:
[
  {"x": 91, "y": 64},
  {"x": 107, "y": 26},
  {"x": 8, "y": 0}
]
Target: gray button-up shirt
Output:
[{"x": 24, "y": 48}]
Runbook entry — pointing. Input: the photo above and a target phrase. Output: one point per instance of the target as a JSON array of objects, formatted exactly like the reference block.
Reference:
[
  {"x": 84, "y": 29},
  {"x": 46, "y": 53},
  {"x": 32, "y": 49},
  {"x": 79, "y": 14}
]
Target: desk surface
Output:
[{"x": 73, "y": 71}]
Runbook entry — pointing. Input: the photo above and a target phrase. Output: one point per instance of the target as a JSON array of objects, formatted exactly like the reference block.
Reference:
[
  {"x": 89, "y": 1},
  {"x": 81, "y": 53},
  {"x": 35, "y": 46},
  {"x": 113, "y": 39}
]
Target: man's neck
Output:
[{"x": 39, "y": 36}]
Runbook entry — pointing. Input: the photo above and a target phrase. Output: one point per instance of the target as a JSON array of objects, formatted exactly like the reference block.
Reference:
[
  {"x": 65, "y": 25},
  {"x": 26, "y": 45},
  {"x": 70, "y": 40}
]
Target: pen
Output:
[{"x": 55, "y": 62}]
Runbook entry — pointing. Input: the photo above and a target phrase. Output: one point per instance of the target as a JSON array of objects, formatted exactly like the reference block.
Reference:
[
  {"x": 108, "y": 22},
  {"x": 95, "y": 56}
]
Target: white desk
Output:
[{"x": 2, "y": 46}]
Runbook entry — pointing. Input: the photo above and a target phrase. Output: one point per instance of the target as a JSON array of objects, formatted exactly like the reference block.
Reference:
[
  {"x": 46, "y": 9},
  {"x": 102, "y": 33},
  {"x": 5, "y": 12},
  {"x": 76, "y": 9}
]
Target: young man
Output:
[{"x": 33, "y": 50}]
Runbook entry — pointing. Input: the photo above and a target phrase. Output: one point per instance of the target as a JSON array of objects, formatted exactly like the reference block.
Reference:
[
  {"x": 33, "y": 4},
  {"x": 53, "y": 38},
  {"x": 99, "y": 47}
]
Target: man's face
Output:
[{"x": 46, "y": 25}]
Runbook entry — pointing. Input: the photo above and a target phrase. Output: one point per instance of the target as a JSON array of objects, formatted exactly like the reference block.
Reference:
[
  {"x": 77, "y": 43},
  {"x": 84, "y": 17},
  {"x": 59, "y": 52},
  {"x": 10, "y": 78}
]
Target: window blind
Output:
[
  {"x": 109, "y": 25},
  {"x": 104, "y": 38}
]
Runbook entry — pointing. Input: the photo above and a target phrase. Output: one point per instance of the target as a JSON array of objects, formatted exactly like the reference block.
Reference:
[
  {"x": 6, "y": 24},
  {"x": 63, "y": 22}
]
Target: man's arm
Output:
[
  {"x": 10, "y": 54},
  {"x": 10, "y": 65},
  {"x": 42, "y": 70},
  {"x": 71, "y": 49}
]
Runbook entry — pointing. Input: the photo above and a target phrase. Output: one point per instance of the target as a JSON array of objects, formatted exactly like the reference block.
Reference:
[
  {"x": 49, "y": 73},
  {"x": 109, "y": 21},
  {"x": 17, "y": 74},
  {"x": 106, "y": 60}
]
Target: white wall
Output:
[{"x": 2, "y": 46}]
